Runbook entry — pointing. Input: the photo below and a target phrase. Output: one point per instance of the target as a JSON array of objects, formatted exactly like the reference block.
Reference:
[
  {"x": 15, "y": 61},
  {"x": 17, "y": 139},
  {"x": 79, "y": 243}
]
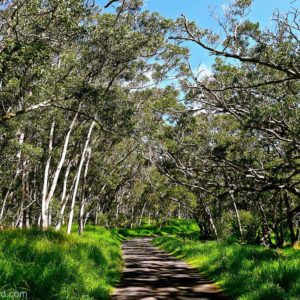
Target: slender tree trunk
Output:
[
  {"x": 26, "y": 200},
  {"x": 20, "y": 218},
  {"x": 61, "y": 162},
  {"x": 44, "y": 214},
  {"x": 39, "y": 220},
  {"x": 83, "y": 155},
  {"x": 211, "y": 221},
  {"x": 9, "y": 193},
  {"x": 266, "y": 230},
  {"x": 64, "y": 202},
  {"x": 142, "y": 214},
  {"x": 237, "y": 215},
  {"x": 131, "y": 218},
  {"x": 83, "y": 196},
  {"x": 65, "y": 183},
  {"x": 33, "y": 218},
  {"x": 96, "y": 215},
  {"x": 87, "y": 215},
  {"x": 49, "y": 210},
  {"x": 117, "y": 210}
]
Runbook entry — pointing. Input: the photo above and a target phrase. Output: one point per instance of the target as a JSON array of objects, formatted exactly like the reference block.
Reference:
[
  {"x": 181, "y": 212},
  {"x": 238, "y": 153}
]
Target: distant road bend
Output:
[{"x": 153, "y": 274}]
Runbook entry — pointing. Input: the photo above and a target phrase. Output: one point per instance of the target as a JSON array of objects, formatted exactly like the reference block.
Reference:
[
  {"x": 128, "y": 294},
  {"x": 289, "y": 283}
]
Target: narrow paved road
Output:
[{"x": 153, "y": 274}]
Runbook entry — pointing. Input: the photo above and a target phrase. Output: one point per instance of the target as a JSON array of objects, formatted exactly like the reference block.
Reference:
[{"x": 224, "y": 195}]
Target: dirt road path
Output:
[{"x": 153, "y": 274}]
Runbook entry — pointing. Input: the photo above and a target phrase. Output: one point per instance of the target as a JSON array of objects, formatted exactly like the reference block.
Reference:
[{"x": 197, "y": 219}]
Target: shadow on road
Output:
[{"x": 152, "y": 274}]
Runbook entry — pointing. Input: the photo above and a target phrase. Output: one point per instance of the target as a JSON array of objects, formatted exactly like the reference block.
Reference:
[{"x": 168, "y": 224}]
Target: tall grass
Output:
[
  {"x": 52, "y": 265},
  {"x": 245, "y": 272}
]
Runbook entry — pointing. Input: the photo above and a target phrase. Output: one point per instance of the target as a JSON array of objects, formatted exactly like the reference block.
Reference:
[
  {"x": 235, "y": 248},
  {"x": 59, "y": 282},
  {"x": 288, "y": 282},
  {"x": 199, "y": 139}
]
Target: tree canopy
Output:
[{"x": 91, "y": 129}]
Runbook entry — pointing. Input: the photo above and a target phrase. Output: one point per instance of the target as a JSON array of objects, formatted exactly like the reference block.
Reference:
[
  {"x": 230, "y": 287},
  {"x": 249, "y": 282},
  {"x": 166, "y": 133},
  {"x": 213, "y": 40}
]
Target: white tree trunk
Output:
[
  {"x": 142, "y": 214},
  {"x": 60, "y": 163},
  {"x": 211, "y": 221},
  {"x": 63, "y": 205},
  {"x": 86, "y": 218},
  {"x": 44, "y": 214},
  {"x": 83, "y": 156},
  {"x": 83, "y": 196},
  {"x": 19, "y": 220},
  {"x": 65, "y": 183},
  {"x": 236, "y": 212}
]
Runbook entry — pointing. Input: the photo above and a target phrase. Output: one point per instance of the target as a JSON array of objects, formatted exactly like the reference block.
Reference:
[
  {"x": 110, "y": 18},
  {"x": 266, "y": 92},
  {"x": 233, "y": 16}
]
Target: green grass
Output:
[
  {"x": 176, "y": 227},
  {"x": 52, "y": 265},
  {"x": 245, "y": 272}
]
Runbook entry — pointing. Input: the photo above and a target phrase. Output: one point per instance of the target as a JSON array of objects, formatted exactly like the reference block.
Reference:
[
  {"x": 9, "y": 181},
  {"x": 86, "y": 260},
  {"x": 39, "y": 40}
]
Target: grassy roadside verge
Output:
[
  {"x": 52, "y": 265},
  {"x": 245, "y": 272}
]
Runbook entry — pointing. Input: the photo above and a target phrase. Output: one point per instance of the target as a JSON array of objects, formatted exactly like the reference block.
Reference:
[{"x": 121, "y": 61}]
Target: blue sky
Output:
[{"x": 199, "y": 11}]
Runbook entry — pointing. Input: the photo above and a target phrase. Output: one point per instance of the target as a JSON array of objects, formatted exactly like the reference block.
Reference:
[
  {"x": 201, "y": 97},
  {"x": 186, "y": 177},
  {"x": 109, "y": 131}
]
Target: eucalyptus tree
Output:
[
  {"x": 81, "y": 67},
  {"x": 255, "y": 79},
  {"x": 34, "y": 35},
  {"x": 235, "y": 144}
]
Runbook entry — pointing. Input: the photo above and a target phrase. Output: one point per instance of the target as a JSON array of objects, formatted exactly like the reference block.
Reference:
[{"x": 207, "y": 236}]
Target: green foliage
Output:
[
  {"x": 176, "y": 227},
  {"x": 51, "y": 265},
  {"x": 244, "y": 272},
  {"x": 251, "y": 225},
  {"x": 227, "y": 226}
]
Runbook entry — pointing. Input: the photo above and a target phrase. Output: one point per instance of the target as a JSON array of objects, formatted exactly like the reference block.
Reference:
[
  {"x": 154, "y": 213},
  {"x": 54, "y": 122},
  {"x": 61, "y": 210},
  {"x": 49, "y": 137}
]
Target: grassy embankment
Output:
[
  {"x": 52, "y": 265},
  {"x": 245, "y": 272}
]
